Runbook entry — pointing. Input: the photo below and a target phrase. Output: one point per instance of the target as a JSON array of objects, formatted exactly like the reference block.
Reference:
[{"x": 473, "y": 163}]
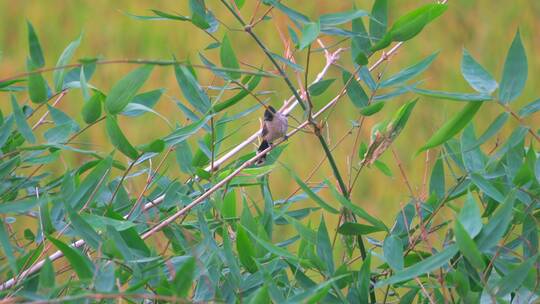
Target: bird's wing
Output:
[{"x": 264, "y": 131}]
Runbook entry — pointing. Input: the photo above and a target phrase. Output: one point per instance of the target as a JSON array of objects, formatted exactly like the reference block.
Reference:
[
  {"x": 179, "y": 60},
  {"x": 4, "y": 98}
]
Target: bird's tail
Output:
[{"x": 264, "y": 145}]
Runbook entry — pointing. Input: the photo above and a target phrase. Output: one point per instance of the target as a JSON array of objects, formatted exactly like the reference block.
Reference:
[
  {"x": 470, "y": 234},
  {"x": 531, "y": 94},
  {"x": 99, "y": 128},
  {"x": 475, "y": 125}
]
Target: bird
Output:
[{"x": 274, "y": 127}]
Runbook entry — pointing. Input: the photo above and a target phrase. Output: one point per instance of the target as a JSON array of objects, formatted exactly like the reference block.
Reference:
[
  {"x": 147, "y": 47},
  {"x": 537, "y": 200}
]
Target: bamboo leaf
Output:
[
  {"x": 453, "y": 126},
  {"x": 118, "y": 139},
  {"x": 58, "y": 74},
  {"x": 126, "y": 88},
  {"x": 514, "y": 72}
]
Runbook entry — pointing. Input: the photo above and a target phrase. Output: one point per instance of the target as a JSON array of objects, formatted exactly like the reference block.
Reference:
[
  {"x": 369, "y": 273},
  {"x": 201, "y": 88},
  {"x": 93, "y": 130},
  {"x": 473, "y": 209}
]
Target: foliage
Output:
[{"x": 74, "y": 227}]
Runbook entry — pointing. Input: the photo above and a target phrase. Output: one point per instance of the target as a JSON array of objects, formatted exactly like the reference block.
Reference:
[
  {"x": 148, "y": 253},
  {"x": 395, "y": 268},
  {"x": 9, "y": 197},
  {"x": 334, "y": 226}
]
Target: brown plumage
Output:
[{"x": 274, "y": 127}]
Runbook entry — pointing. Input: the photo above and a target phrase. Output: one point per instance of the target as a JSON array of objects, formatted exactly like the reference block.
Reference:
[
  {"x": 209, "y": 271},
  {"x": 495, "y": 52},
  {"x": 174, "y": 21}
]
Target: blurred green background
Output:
[{"x": 484, "y": 27}]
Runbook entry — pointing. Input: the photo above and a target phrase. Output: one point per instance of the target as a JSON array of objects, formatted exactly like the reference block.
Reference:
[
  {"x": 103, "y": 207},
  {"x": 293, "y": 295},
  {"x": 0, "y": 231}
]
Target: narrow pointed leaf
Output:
[
  {"x": 58, "y": 74},
  {"x": 118, "y": 139},
  {"x": 468, "y": 247},
  {"x": 477, "y": 77},
  {"x": 514, "y": 72},
  {"x": 453, "y": 126},
  {"x": 427, "y": 265},
  {"x": 409, "y": 72},
  {"x": 393, "y": 252},
  {"x": 20, "y": 121},
  {"x": 356, "y": 93},
  {"x": 312, "y": 195},
  {"x": 80, "y": 263},
  {"x": 342, "y": 17},
  {"x": 126, "y": 88},
  {"x": 91, "y": 110},
  {"x": 191, "y": 89},
  {"x": 228, "y": 58},
  {"x": 36, "y": 54},
  {"x": 310, "y": 32},
  {"x": 378, "y": 20}
]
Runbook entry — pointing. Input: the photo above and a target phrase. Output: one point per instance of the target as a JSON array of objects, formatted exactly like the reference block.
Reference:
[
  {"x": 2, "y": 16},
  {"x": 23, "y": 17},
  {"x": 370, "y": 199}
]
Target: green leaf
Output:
[
  {"x": 393, "y": 252},
  {"x": 427, "y": 265},
  {"x": 355, "y": 209},
  {"x": 184, "y": 277},
  {"x": 199, "y": 16},
  {"x": 239, "y": 3},
  {"x": 361, "y": 59},
  {"x": 82, "y": 228},
  {"x": 357, "y": 229},
  {"x": 437, "y": 180},
  {"x": 58, "y": 134},
  {"x": 530, "y": 109},
  {"x": 341, "y": 17},
  {"x": 191, "y": 89},
  {"x": 409, "y": 72},
  {"x": 260, "y": 296},
  {"x": 468, "y": 247},
  {"x": 80, "y": 195},
  {"x": 37, "y": 87},
  {"x": 156, "y": 146},
  {"x": 305, "y": 232},
  {"x": 126, "y": 88},
  {"x": 253, "y": 82},
  {"x": 515, "y": 278},
  {"x": 452, "y": 96},
  {"x": 356, "y": 93},
  {"x": 36, "y": 55},
  {"x": 245, "y": 249},
  {"x": 168, "y": 16},
  {"x": 80, "y": 263},
  {"x": 228, "y": 58},
  {"x": 100, "y": 223},
  {"x": 20, "y": 206},
  {"x": 469, "y": 216},
  {"x": 58, "y": 74},
  {"x": 383, "y": 168},
  {"x": 525, "y": 172},
  {"x": 310, "y": 32},
  {"x": 118, "y": 139},
  {"x": 278, "y": 251},
  {"x": 228, "y": 208},
  {"x": 147, "y": 99},
  {"x": 453, "y": 126},
  {"x": 20, "y": 121},
  {"x": 292, "y": 14},
  {"x": 185, "y": 132},
  {"x": 410, "y": 24},
  {"x": 497, "y": 226},
  {"x": 320, "y": 87},
  {"x": 91, "y": 110},
  {"x": 364, "y": 279},
  {"x": 46, "y": 276},
  {"x": 477, "y": 77},
  {"x": 288, "y": 62},
  {"x": 398, "y": 122},
  {"x": 360, "y": 43},
  {"x": 486, "y": 187},
  {"x": 324, "y": 247},
  {"x": 7, "y": 248},
  {"x": 378, "y": 20},
  {"x": 514, "y": 72},
  {"x": 372, "y": 109},
  {"x": 312, "y": 195},
  {"x": 493, "y": 129}
]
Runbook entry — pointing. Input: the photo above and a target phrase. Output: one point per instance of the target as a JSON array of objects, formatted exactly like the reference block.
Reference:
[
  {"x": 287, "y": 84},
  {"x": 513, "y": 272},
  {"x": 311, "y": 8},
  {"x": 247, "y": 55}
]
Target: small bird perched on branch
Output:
[{"x": 274, "y": 126}]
